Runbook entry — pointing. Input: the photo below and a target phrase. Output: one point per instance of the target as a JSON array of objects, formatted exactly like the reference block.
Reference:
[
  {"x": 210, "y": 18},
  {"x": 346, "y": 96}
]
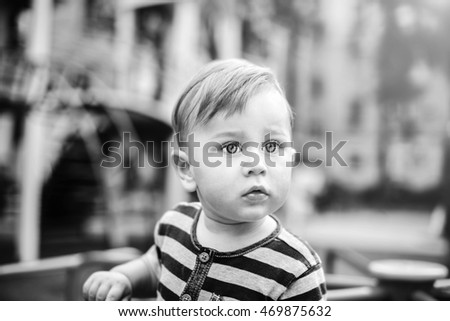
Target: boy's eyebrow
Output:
[
  {"x": 234, "y": 134},
  {"x": 276, "y": 132},
  {"x": 241, "y": 134}
]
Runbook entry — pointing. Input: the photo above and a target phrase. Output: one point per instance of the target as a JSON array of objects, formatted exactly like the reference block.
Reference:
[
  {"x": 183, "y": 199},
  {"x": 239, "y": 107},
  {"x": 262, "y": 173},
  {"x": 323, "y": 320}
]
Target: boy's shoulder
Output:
[
  {"x": 183, "y": 210},
  {"x": 296, "y": 248},
  {"x": 177, "y": 220}
]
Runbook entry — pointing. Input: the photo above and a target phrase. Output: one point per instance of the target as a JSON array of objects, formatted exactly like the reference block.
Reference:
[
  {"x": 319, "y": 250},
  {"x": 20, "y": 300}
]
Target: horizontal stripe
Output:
[
  {"x": 175, "y": 267},
  {"x": 233, "y": 291},
  {"x": 311, "y": 280},
  {"x": 300, "y": 246},
  {"x": 173, "y": 232},
  {"x": 165, "y": 294},
  {"x": 158, "y": 236},
  {"x": 278, "y": 245},
  {"x": 312, "y": 269},
  {"x": 182, "y": 222},
  {"x": 170, "y": 285},
  {"x": 189, "y": 209},
  {"x": 323, "y": 287},
  {"x": 254, "y": 282},
  {"x": 206, "y": 296},
  {"x": 315, "y": 294},
  {"x": 279, "y": 260},
  {"x": 305, "y": 284},
  {"x": 227, "y": 298},
  {"x": 258, "y": 267},
  {"x": 179, "y": 252}
]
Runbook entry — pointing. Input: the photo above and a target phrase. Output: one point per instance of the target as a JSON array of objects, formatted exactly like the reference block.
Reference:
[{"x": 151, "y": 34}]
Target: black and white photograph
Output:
[{"x": 225, "y": 150}]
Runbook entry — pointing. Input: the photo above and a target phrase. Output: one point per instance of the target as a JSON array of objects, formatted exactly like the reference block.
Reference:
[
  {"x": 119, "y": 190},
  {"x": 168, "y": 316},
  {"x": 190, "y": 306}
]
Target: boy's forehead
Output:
[
  {"x": 240, "y": 125},
  {"x": 234, "y": 113}
]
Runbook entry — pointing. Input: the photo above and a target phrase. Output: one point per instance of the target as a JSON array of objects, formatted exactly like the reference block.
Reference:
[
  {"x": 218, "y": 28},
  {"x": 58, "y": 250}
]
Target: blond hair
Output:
[{"x": 221, "y": 87}]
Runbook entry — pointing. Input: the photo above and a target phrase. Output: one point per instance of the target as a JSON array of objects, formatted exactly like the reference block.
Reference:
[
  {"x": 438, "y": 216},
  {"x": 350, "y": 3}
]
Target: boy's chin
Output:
[{"x": 253, "y": 215}]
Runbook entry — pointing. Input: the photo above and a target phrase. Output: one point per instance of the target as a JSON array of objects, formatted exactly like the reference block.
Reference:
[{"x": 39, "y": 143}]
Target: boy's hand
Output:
[{"x": 107, "y": 286}]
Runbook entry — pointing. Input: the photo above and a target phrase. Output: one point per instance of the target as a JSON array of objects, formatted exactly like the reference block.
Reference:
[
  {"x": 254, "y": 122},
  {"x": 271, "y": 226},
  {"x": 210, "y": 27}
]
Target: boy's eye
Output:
[
  {"x": 231, "y": 147},
  {"x": 271, "y": 146}
]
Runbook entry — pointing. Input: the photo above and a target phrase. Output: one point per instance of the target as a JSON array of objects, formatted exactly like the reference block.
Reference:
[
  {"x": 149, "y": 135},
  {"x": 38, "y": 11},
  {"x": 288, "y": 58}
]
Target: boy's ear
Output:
[{"x": 184, "y": 170}]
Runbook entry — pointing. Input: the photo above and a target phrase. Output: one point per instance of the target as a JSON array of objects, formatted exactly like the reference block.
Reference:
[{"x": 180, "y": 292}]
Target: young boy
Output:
[{"x": 233, "y": 130}]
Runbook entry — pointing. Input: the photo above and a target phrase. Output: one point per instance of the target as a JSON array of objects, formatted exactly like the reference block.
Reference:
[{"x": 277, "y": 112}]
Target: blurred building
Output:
[
  {"x": 340, "y": 77},
  {"x": 375, "y": 74}
]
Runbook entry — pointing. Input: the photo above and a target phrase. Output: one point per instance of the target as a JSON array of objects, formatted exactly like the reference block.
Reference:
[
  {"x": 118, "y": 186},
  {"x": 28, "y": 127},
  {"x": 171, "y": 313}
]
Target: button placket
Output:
[
  {"x": 204, "y": 257},
  {"x": 198, "y": 276}
]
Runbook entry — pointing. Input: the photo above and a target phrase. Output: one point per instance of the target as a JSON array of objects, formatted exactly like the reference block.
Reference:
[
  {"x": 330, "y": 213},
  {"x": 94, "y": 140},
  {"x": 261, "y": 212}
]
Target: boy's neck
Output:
[{"x": 225, "y": 237}]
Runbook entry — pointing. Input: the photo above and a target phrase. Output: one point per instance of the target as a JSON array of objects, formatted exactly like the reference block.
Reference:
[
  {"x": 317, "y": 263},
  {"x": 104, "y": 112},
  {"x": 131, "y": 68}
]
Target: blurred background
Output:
[{"x": 77, "y": 74}]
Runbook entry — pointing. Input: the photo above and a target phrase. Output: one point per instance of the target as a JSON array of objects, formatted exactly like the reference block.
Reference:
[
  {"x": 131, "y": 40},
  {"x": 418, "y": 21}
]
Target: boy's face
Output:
[{"x": 246, "y": 175}]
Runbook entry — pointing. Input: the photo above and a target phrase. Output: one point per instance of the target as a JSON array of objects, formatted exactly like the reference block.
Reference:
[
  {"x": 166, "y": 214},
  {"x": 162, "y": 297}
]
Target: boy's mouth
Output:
[{"x": 256, "y": 193}]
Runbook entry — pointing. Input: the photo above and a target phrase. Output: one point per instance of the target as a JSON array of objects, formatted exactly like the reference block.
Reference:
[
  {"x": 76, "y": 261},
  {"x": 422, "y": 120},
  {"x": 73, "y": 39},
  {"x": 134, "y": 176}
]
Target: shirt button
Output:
[
  {"x": 204, "y": 257},
  {"x": 185, "y": 297}
]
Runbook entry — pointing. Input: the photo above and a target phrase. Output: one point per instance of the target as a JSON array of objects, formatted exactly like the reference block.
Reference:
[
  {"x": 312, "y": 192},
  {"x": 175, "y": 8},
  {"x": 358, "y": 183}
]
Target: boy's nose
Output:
[{"x": 254, "y": 166}]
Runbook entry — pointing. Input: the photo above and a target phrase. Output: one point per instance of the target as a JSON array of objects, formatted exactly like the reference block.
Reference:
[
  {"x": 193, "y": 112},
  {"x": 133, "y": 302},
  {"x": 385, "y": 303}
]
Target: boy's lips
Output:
[{"x": 256, "y": 193}]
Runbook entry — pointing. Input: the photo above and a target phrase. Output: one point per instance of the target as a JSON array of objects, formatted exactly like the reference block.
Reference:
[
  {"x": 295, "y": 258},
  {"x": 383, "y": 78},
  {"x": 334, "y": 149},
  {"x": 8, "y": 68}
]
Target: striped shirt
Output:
[{"x": 279, "y": 267}]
